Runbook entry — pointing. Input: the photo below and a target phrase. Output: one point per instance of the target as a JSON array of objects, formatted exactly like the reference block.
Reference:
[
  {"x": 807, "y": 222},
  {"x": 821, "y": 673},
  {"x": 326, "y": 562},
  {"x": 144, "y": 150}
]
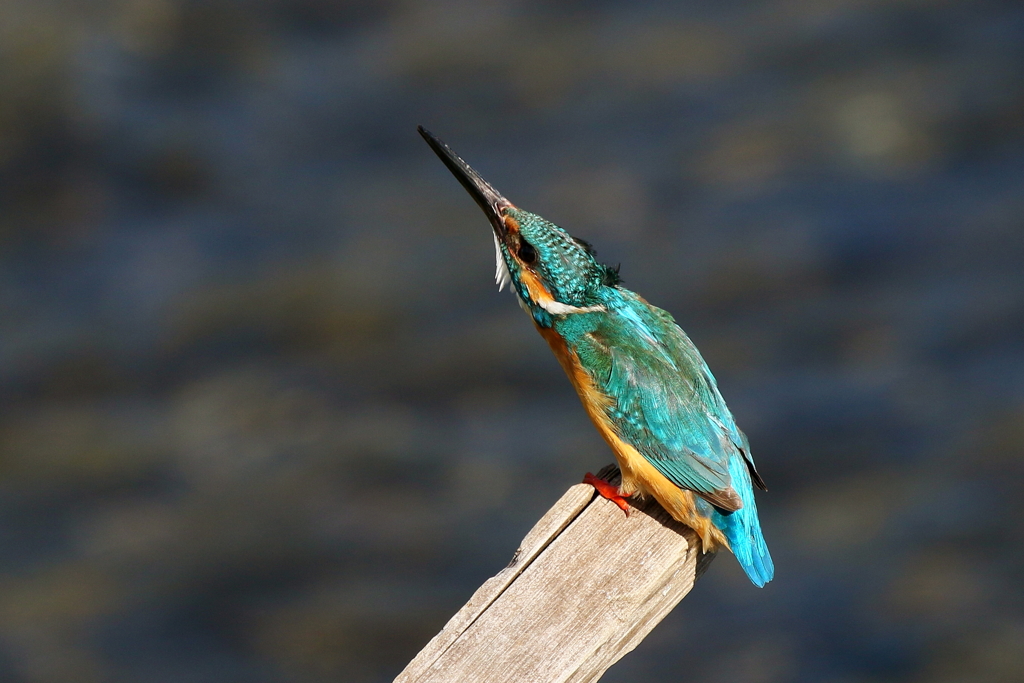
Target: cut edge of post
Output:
[
  {"x": 572, "y": 503},
  {"x": 565, "y": 513}
]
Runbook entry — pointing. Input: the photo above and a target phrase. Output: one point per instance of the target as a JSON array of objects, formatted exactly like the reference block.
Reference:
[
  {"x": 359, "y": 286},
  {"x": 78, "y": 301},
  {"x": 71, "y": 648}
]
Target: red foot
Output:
[{"x": 606, "y": 490}]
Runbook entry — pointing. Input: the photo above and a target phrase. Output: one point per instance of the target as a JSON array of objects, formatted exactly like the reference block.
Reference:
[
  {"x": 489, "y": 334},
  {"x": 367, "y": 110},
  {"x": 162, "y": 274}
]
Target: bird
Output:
[{"x": 641, "y": 380}]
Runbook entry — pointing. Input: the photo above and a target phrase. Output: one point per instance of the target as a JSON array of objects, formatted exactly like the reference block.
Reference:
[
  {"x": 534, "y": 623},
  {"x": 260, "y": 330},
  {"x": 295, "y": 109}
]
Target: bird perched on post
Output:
[{"x": 641, "y": 380}]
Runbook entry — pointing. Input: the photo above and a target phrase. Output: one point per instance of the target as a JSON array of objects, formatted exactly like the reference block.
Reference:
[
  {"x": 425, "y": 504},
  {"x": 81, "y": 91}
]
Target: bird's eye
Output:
[{"x": 527, "y": 254}]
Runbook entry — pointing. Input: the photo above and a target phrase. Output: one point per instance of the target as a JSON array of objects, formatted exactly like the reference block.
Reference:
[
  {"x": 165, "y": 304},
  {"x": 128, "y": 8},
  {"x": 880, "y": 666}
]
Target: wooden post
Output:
[{"x": 585, "y": 587}]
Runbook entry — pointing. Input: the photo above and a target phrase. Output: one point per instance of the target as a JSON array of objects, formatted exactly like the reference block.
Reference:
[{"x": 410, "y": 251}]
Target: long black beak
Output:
[{"x": 486, "y": 196}]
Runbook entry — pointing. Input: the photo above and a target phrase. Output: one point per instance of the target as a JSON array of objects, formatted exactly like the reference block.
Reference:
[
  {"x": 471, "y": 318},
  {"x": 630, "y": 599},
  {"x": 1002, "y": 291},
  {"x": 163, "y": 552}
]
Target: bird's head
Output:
[{"x": 554, "y": 273}]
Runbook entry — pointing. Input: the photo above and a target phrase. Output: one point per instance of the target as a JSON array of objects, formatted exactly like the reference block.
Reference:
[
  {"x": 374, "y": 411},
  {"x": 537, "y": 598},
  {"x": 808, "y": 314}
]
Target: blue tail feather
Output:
[{"x": 743, "y": 530}]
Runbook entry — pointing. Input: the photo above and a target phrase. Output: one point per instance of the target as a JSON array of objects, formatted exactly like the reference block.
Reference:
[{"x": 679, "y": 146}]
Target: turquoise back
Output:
[{"x": 666, "y": 404}]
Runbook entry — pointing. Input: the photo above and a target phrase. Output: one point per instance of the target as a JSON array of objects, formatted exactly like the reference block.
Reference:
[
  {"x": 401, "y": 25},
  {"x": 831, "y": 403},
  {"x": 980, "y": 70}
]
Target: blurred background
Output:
[{"x": 264, "y": 416}]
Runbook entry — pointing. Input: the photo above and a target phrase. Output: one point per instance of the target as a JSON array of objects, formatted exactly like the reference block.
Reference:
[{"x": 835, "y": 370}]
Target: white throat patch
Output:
[
  {"x": 558, "y": 308},
  {"x": 501, "y": 274}
]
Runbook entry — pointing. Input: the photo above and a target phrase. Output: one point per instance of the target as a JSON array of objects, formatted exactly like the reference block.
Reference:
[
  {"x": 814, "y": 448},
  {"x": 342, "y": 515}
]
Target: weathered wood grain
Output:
[{"x": 585, "y": 587}]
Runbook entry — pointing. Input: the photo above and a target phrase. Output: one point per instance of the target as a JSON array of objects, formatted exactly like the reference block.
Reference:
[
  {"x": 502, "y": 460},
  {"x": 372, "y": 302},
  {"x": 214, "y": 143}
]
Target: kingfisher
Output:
[{"x": 641, "y": 380}]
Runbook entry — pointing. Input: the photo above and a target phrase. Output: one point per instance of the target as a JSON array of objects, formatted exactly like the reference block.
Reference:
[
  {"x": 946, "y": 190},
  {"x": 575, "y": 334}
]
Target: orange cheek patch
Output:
[{"x": 534, "y": 287}]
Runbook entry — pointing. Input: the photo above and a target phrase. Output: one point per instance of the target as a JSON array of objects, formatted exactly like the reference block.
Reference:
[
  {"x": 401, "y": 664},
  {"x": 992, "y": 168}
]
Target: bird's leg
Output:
[{"x": 607, "y": 490}]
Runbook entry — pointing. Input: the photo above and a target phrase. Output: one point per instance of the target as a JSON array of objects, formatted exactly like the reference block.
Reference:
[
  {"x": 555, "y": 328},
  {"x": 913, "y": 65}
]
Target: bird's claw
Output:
[{"x": 607, "y": 490}]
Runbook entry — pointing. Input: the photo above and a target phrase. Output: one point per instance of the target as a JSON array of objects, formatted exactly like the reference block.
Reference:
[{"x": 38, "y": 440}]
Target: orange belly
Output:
[{"x": 638, "y": 475}]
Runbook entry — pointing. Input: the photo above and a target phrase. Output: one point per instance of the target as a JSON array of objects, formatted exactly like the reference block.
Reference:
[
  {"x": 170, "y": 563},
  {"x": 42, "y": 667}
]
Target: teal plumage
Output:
[
  {"x": 667, "y": 405},
  {"x": 641, "y": 379}
]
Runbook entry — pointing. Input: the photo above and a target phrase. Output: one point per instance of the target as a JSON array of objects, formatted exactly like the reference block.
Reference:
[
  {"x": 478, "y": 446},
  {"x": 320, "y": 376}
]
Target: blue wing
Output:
[
  {"x": 666, "y": 404},
  {"x": 664, "y": 399}
]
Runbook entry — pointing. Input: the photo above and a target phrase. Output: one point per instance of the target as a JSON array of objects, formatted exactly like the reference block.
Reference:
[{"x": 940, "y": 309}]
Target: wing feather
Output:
[{"x": 665, "y": 402}]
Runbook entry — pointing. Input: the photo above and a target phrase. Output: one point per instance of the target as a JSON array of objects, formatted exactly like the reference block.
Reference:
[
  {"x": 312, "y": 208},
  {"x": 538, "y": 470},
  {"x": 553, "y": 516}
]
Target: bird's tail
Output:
[{"x": 743, "y": 529}]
